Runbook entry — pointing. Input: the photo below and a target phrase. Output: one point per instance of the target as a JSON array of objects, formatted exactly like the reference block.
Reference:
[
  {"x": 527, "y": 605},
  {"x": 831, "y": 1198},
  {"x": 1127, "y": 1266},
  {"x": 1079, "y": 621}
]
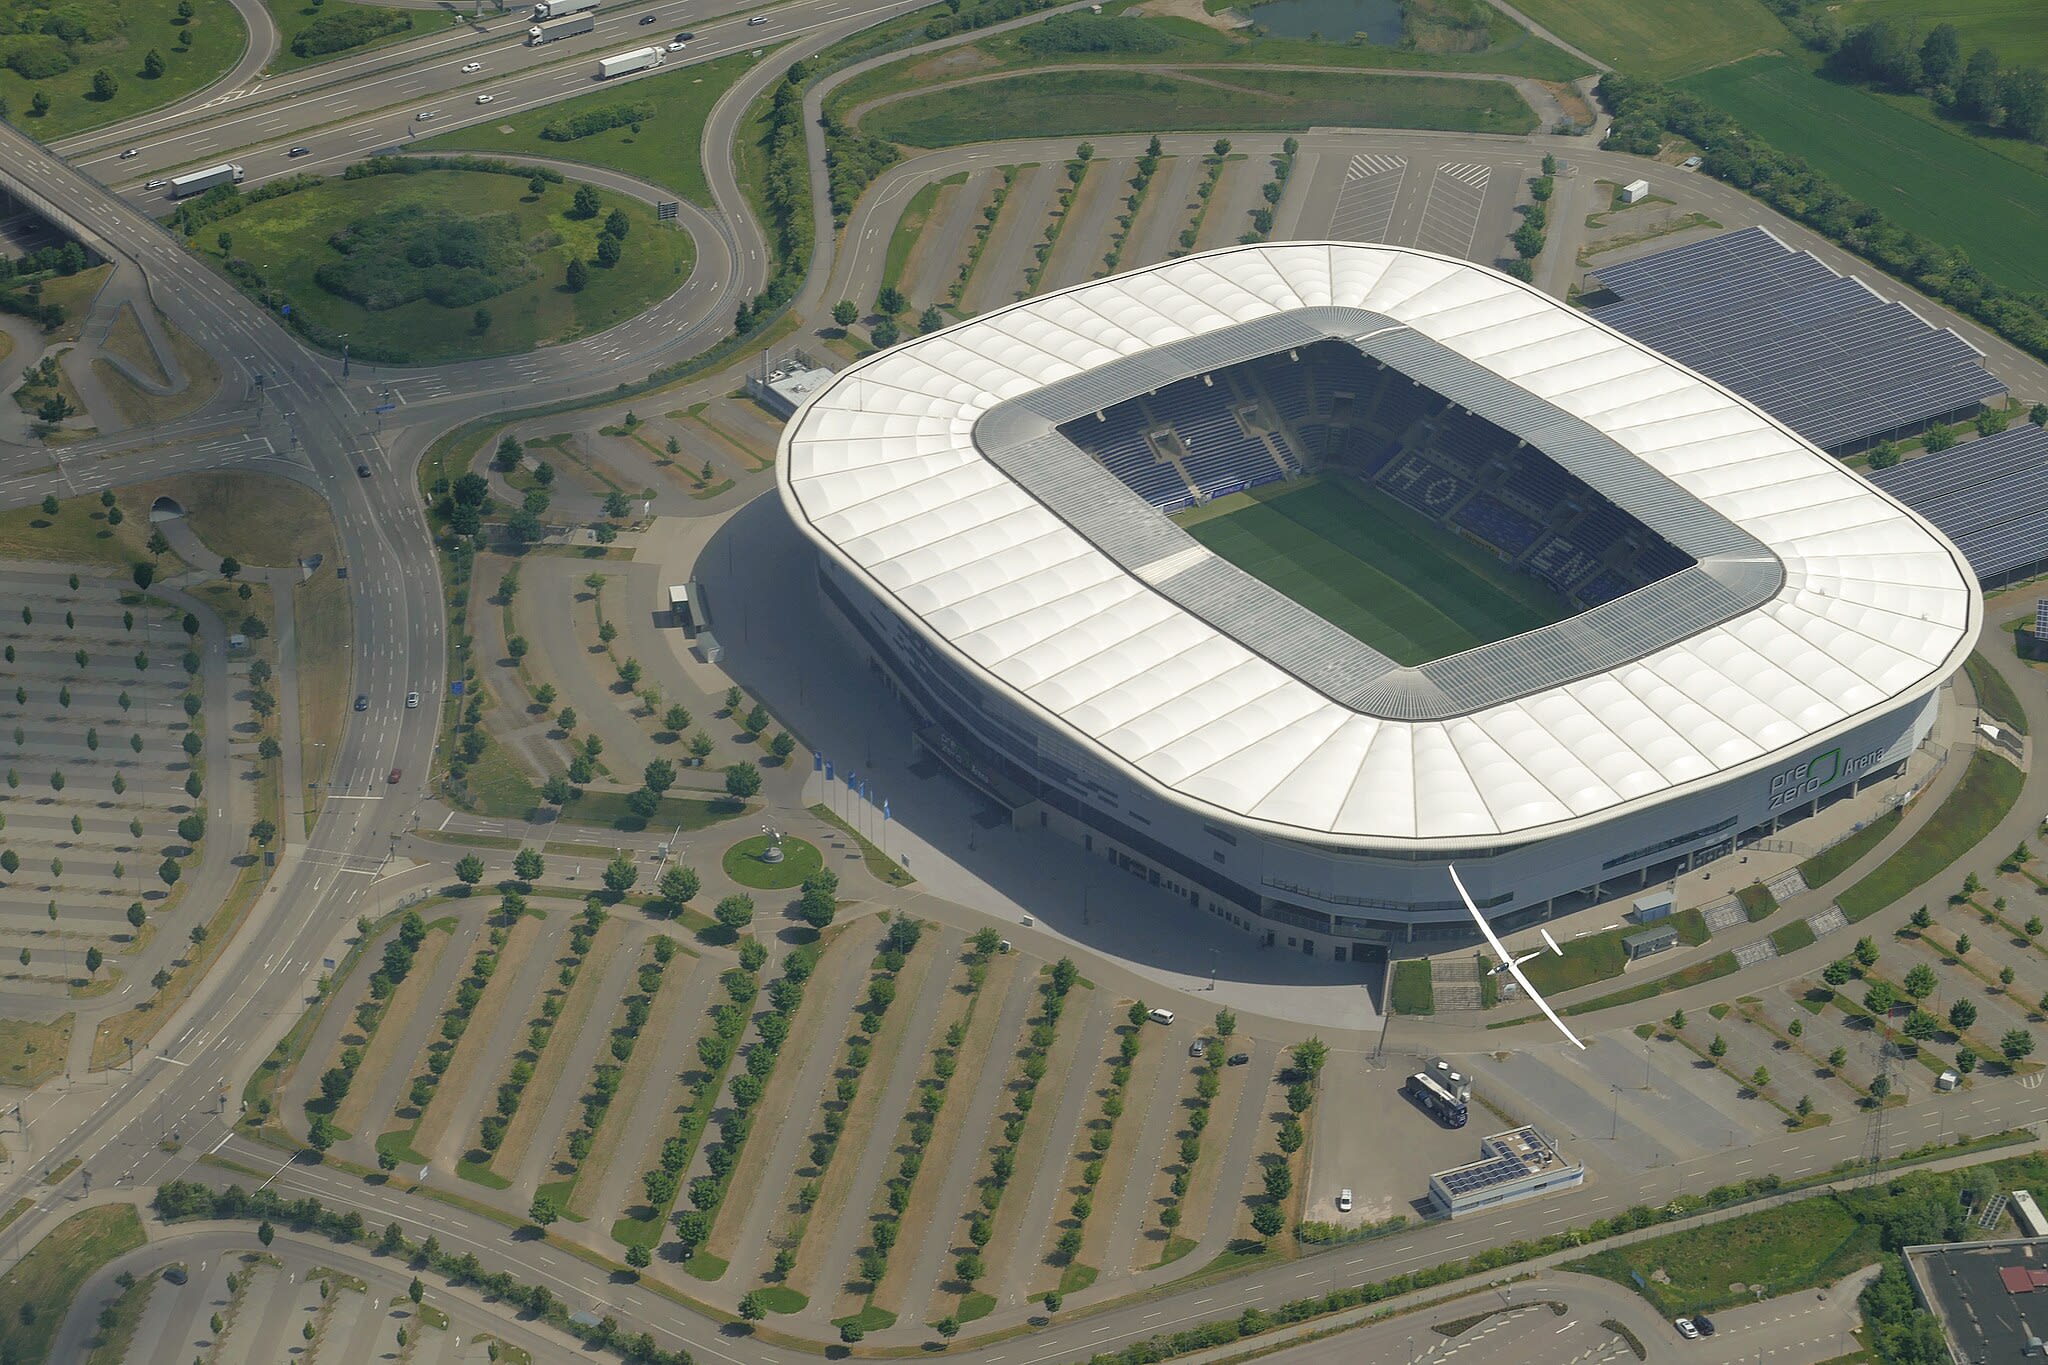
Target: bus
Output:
[{"x": 1439, "y": 1102}]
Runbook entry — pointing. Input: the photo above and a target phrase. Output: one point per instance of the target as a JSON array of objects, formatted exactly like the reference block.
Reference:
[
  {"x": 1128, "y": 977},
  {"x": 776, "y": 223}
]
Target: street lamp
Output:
[{"x": 343, "y": 339}]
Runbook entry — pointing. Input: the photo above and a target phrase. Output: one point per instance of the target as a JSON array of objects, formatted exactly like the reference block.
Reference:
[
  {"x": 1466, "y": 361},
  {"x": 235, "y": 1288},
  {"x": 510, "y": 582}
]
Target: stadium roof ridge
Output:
[{"x": 884, "y": 470}]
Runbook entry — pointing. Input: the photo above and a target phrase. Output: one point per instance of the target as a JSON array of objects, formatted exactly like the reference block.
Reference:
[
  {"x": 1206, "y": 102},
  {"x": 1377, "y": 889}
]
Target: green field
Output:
[
  {"x": 1980, "y": 801},
  {"x": 1794, "y": 1246},
  {"x": 2015, "y": 29},
  {"x": 288, "y": 239},
  {"x": 294, "y": 17},
  {"x": 667, "y": 149},
  {"x": 1663, "y": 38},
  {"x": 1373, "y": 568},
  {"x": 125, "y": 33},
  {"x": 1078, "y": 103},
  {"x": 1936, "y": 181}
]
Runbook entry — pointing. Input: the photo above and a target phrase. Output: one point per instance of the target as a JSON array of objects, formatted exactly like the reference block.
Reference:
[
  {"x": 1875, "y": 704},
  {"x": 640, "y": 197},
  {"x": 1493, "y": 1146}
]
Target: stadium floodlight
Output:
[{"x": 1512, "y": 963}]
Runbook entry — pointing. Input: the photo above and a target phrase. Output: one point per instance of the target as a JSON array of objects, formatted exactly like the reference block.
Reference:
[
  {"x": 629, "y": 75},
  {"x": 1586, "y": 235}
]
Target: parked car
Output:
[
  {"x": 1704, "y": 1323},
  {"x": 362, "y": 702},
  {"x": 483, "y": 99},
  {"x": 1686, "y": 1329},
  {"x": 471, "y": 68},
  {"x": 1343, "y": 1201},
  {"x": 412, "y": 699},
  {"x": 1240, "y": 1058},
  {"x": 1199, "y": 1048}
]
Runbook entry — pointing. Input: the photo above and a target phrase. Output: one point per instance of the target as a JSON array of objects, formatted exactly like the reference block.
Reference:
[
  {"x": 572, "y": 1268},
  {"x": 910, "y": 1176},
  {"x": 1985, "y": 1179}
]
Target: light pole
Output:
[
  {"x": 343, "y": 339},
  {"x": 1614, "y": 1119}
]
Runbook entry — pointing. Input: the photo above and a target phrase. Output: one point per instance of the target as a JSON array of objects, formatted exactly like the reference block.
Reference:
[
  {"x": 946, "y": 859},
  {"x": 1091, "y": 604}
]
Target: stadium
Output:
[{"x": 1280, "y": 576}]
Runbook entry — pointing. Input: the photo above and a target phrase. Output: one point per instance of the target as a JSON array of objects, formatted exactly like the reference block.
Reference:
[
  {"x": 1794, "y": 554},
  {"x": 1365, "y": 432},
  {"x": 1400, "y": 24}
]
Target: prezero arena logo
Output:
[{"x": 1803, "y": 780}]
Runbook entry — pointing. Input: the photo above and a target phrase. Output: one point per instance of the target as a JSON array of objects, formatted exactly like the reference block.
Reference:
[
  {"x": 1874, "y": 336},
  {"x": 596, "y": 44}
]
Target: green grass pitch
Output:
[{"x": 1374, "y": 568}]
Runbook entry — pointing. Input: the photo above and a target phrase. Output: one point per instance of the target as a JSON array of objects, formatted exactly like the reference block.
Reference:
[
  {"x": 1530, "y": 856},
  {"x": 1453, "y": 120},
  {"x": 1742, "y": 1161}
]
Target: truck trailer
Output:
[
  {"x": 625, "y": 63},
  {"x": 554, "y": 9},
  {"x": 566, "y": 27},
  {"x": 197, "y": 182}
]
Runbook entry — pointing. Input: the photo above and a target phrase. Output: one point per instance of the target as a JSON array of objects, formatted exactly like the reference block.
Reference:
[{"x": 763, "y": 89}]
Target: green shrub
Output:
[{"x": 342, "y": 29}]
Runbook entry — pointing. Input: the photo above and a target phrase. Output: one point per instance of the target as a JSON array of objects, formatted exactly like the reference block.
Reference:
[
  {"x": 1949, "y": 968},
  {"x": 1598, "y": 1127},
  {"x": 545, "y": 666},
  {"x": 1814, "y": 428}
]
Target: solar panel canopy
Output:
[
  {"x": 1820, "y": 352},
  {"x": 1989, "y": 496}
]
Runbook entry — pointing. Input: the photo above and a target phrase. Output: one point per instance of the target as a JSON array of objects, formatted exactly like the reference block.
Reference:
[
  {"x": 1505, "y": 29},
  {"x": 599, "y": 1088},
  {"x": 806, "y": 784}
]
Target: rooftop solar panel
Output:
[
  {"x": 1821, "y": 352},
  {"x": 1988, "y": 496}
]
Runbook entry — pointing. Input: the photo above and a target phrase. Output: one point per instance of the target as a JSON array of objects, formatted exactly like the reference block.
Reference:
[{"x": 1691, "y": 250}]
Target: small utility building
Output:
[{"x": 1644, "y": 942}]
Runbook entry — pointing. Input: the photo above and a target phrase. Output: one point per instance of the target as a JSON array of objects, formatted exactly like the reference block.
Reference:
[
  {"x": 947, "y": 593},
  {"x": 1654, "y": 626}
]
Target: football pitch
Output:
[{"x": 1374, "y": 568}]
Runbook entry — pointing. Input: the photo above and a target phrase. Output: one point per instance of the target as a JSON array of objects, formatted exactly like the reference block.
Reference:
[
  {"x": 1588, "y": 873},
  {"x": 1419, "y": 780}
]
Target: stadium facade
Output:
[{"x": 1746, "y": 632}]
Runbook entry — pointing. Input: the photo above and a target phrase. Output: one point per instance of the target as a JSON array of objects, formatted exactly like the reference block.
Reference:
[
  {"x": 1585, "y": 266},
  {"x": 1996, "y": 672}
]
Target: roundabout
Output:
[{"x": 772, "y": 862}]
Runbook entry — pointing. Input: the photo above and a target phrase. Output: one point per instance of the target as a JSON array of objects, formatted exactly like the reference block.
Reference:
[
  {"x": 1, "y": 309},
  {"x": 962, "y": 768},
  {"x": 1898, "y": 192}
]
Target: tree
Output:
[
  {"x": 620, "y": 874},
  {"x": 265, "y": 1232},
  {"x": 1866, "y": 952},
  {"x": 93, "y": 959},
  {"x": 676, "y": 719},
  {"x": 947, "y": 1327},
  {"x": 1880, "y": 998},
  {"x": 1922, "y": 920},
  {"x": 152, "y": 64},
  {"x": 616, "y": 504},
  {"x": 1838, "y": 1059},
  {"x": 1222, "y": 146},
  {"x": 1966, "y": 1061},
  {"x": 617, "y": 225},
  {"x": 104, "y": 86},
  {"x": 851, "y": 1333},
  {"x": 1718, "y": 1048},
  {"x": 1804, "y": 1107},
  {"x": 578, "y": 276},
  {"x": 192, "y": 828},
  {"x": 1962, "y": 944},
  {"x": 679, "y": 885},
  {"x": 543, "y": 1212},
  {"x": 2016, "y": 1043},
  {"x": 1922, "y": 1025},
  {"x": 1838, "y": 972},
  {"x": 890, "y": 300},
  {"x": 1920, "y": 982},
  {"x": 566, "y": 719},
  {"x": 735, "y": 912},
  {"x": 756, "y": 720},
  {"x": 1962, "y": 1014},
  {"x": 885, "y": 333},
  {"x": 1267, "y": 1220},
  {"x": 1760, "y": 1079},
  {"x": 630, "y": 673},
  {"x": 845, "y": 312},
  {"x": 930, "y": 320},
  {"x": 610, "y": 250},
  {"x": 144, "y": 574},
  {"x": 169, "y": 871},
  {"x": 742, "y": 780},
  {"x": 1941, "y": 56},
  {"x": 659, "y": 775},
  {"x": 1309, "y": 1056},
  {"x": 136, "y": 915},
  {"x": 586, "y": 204},
  {"x": 528, "y": 864},
  {"x": 1226, "y": 1021},
  {"x": 39, "y": 105},
  {"x": 700, "y": 746},
  {"x": 469, "y": 869}
]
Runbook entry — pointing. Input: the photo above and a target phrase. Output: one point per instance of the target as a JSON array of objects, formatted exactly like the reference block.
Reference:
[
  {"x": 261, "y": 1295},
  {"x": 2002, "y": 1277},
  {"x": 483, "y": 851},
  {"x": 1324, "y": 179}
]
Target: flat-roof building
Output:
[{"x": 1518, "y": 1164}]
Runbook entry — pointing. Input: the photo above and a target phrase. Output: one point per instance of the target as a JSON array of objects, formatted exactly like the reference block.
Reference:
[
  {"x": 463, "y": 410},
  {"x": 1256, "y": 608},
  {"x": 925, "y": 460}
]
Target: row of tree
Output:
[{"x": 2011, "y": 100}]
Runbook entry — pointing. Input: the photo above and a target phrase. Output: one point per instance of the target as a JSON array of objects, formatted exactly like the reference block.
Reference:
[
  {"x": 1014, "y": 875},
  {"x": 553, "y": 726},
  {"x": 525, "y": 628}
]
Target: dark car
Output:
[
  {"x": 1704, "y": 1323},
  {"x": 362, "y": 702},
  {"x": 1240, "y": 1058},
  {"x": 300, "y": 151},
  {"x": 362, "y": 471},
  {"x": 396, "y": 773},
  {"x": 686, "y": 37},
  {"x": 646, "y": 19}
]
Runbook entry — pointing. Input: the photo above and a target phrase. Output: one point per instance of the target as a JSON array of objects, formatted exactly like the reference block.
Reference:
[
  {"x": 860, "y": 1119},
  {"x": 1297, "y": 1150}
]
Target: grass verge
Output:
[
  {"x": 880, "y": 865},
  {"x": 31, "y": 1052},
  {"x": 1414, "y": 989},
  {"x": 1984, "y": 796},
  {"x": 1838, "y": 857},
  {"x": 1994, "y": 694},
  {"x": 37, "y": 1294}
]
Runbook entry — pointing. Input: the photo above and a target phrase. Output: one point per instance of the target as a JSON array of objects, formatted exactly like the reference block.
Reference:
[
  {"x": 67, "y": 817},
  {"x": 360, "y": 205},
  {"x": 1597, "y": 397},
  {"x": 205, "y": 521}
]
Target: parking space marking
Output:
[
  {"x": 1365, "y": 206},
  {"x": 1451, "y": 208}
]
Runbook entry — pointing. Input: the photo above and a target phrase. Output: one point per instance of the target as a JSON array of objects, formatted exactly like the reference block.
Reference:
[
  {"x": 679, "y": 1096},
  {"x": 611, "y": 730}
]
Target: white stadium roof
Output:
[{"x": 882, "y": 469}]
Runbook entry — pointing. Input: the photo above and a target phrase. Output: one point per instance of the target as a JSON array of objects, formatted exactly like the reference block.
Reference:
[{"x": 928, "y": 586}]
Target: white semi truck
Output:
[
  {"x": 554, "y": 9},
  {"x": 566, "y": 27},
  {"x": 624, "y": 63},
  {"x": 197, "y": 182}
]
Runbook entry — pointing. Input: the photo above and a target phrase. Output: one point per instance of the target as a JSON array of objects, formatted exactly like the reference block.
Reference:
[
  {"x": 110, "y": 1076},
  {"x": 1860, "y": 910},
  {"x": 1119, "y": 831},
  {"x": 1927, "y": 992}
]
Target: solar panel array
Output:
[
  {"x": 1818, "y": 351},
  {"x": 1988, "y": 496}
]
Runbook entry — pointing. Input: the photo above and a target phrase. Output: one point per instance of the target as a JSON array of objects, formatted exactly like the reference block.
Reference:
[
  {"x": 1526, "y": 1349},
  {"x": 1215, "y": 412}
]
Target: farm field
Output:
[
  {"x": 664, "y": 147},
  {"x": 2016, "y": 29},
  {"x": 1352, "y": 556},
  {"x": 1662, "y": 39},
  {"x": 532, "y": 243},
  {"x": 1076, "y": 103},
  {"x": 1923, "y": 175}
]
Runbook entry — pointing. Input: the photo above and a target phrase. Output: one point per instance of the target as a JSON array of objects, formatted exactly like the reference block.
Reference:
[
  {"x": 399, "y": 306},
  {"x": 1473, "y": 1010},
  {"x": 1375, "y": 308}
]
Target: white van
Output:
[{"x": 1160, "y": 1016}]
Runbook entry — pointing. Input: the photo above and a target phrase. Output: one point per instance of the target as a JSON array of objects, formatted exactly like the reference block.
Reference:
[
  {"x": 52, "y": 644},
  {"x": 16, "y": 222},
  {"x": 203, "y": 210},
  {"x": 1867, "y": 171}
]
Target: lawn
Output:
[
  {"x": 1414, "y": 989},
  {"x": 666, "y": 148},
  {"x": 530, "y": 245},
  {"x": 1971, "y": 812},
  {"x": 916, "y": 214},
  {"x": 79, "y": 534},
  {"x": 1994, "y": 694},
  {"x": 2016, "y": 29},
  {"x": 1925, "y": 176},
  {"x": 1077, "y": 103},
  {"x": 675, "y": 812},
  {"x": 880, "y": 865},
  {"x": 1663, "y": 38},
  {"x": 1375, "y": 569},
  {"x": 294, "y": 17},
  {"x": 742, "y": 863},
  {"x": 37, "y": 1291},
  {"x": 260, "y": 519},
  {"x": 1794, "y": 1246},
  {"x": 1596, "y": 957},
  {"x": 31, "y": 1053},
  {"x": 133, "y": 29},
  {"x": 139, "y": 407},
  {"x": 1838, "y": 857}
]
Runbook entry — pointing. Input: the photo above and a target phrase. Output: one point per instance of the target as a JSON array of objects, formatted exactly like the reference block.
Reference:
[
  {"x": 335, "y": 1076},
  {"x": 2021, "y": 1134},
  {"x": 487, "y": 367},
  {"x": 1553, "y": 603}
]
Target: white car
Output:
[
  {"x": 483, "y": 99},
  {"x": 1686, "y": 1329},
  {"x": 757, "y": 19},
  {"x": 471, "y": 68},
  {"x": 677, "y": 45},
  {"x": 412, "y": 699},
  {"x": 1343, "y": 1201},
  {"x": 426, "y": 114},
  {"x": 156, "y": 184}
]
